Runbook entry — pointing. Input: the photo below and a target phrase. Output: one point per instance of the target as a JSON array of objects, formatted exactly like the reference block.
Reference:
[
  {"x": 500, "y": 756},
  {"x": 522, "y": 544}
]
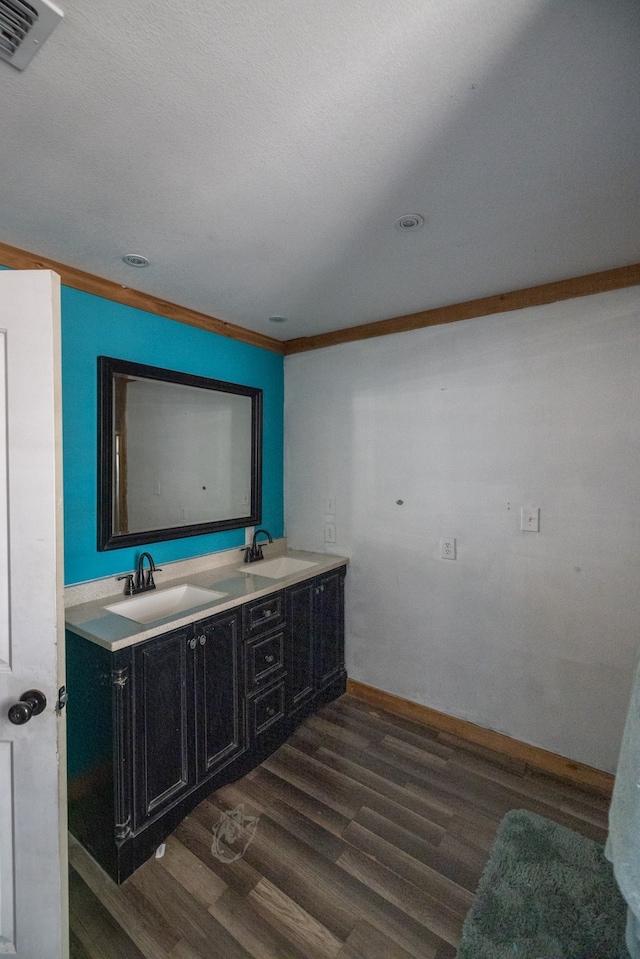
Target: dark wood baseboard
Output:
[{"x": 577, "y": 773}]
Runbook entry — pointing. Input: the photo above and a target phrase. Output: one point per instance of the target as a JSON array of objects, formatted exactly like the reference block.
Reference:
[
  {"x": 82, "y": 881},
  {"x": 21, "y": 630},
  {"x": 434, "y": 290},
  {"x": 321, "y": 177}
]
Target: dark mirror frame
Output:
[{"x": 107, "y": 539}]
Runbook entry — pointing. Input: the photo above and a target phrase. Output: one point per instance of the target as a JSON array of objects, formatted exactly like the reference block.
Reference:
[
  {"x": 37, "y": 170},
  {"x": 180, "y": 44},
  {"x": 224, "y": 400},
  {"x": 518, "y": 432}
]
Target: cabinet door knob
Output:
[
  {"x": 202, "y": 639},
  {"x": 192, "y": 643},
  {"x": 270, "y": 658},
  {"x": 271, "y": 711},
  {"x": 267, "y": 612}
]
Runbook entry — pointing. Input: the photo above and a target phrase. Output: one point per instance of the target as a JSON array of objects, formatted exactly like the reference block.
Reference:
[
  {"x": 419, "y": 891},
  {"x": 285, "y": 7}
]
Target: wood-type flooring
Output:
[{"x": 363, "y": 837}]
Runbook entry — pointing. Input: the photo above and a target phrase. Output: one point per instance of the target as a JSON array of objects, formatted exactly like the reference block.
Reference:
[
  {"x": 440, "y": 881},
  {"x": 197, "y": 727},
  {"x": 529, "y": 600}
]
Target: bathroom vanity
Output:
[{"x": 162, "y": 713}]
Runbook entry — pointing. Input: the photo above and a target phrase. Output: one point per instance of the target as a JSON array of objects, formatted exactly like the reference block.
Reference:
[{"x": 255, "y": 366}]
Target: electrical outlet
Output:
[
  {"x": 447, "y": 549},
  {"x": 329, "y": 532}
]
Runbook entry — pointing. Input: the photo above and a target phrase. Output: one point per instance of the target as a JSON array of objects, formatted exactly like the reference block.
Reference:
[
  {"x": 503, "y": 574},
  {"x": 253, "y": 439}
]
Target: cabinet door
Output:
[
  {"x": 300, "y": 601},
  {"x": 219, "y": 701},
  {"x": 163, "y": 721},
  {"x": 329, "y": 626}
]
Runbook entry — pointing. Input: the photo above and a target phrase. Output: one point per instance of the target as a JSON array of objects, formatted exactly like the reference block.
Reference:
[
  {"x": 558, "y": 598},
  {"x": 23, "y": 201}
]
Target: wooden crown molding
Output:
[
  {"x": 501, "y": 303},
  {"x": 578, "y": 773},
  {"x": 78, "y": 280}
]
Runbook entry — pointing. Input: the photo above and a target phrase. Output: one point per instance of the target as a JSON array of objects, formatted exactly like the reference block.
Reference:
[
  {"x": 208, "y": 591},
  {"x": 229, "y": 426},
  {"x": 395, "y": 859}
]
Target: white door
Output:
[{"x": 33, "y": 858}]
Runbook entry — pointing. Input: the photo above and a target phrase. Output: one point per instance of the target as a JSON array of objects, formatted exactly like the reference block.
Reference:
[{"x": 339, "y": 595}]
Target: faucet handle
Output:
[
  {"x": 156, "y": 569},
  {"x": 128, "y": 589}
]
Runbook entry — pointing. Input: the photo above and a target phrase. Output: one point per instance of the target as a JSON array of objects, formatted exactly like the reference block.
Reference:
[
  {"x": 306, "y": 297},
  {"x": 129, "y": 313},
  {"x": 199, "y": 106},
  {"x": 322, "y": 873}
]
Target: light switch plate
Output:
[
  {"x": 330, "y": 505},
  {"x": 530, "y": 519}
]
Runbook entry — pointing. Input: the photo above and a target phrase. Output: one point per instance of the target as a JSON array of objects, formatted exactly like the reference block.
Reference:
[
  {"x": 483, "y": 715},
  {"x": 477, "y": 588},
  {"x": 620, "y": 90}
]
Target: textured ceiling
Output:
[{"x": 258, "y": 152}]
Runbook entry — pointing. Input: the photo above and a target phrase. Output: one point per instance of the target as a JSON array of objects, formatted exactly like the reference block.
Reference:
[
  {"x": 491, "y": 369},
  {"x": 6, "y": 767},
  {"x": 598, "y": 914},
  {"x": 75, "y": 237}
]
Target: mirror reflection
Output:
[{"x": 179, "y": 454}]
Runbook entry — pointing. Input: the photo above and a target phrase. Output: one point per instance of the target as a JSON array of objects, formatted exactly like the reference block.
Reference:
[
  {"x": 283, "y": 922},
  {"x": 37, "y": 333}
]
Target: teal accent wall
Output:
[{"x": 93, "y": 326}]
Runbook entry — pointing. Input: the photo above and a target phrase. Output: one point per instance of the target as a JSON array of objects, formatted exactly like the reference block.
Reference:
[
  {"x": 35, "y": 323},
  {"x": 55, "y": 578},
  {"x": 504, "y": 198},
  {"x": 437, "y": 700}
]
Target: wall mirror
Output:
[{"x": 178, "y": 455}]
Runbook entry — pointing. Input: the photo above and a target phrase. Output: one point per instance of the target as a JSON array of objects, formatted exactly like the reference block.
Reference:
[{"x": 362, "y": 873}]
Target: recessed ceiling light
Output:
[
  {"x": 134, "y": 259},
  {"x": 277, "y": 319},
  {"x": 408, "y": 222}
]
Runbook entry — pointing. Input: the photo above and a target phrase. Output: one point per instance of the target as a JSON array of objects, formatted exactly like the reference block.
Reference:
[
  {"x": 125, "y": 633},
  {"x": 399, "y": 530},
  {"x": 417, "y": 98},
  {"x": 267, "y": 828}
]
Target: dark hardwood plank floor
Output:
[{"x": 363, "y": 837}]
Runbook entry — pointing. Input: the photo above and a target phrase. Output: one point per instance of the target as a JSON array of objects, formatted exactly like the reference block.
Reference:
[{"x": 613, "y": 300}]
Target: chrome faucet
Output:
[
  {"x": 142, "y": 582},
  {"x": 254, "y": 552}
]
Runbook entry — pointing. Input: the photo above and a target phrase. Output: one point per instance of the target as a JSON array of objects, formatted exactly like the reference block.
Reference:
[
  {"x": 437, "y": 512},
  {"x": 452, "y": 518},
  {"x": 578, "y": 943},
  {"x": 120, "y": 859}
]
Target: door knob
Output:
[{"x": 32, "y": 703}]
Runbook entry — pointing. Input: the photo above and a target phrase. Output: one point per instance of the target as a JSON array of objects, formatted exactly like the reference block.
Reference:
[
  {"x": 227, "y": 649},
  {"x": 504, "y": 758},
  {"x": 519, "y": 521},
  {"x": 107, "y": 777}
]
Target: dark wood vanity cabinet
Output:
[
  {"x": 163, "y": 724},
  {"x": 155, "y": 727},
  {"x": 315, "y": 648},
  {"x": 149, "y": 728},
  {"x": 187, "y": 719},
  {"x": 329, "y": 627},
  {"x": 220, "y": 722},
  {"x": 301, "y": 651}
]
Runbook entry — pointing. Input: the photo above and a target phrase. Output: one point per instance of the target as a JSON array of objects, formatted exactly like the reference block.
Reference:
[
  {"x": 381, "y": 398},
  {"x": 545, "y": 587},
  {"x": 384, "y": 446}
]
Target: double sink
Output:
[{"x": 178, "y": 599}]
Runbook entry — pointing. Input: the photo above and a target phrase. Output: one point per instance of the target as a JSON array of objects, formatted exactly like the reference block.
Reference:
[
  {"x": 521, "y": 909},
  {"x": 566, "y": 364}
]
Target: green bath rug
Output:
[{"x": 546, "y": 893}]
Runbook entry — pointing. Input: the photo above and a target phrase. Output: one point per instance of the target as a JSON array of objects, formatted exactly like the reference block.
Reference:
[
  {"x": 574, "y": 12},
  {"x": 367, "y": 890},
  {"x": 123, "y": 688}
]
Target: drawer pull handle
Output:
[
  {"x": 267, "y": 612},
  {"x": 270, "y": 658},
  {"x": 271, "y": 711}
]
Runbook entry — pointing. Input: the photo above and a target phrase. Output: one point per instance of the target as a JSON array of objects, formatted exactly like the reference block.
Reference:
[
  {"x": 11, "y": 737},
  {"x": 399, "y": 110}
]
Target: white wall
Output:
[{"x": 531, "y": 634}]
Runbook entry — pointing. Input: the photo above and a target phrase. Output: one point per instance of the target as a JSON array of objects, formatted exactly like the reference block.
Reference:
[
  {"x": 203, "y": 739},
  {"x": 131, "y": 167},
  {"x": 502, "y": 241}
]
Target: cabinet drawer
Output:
[
  {"x": 267, "y": 709},
  {"x": 263, "y": 614},
  {"x": 265, "y": 659}
]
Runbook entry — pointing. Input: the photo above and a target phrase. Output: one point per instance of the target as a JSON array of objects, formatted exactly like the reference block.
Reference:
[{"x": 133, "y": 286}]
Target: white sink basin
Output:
[
  {"x": 276, "y": 568},
  {"x": 166, "y": 602}
]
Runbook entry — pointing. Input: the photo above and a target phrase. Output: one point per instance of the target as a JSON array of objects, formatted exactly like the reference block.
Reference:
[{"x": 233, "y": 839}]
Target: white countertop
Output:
[{"x": 95, "y": 623}]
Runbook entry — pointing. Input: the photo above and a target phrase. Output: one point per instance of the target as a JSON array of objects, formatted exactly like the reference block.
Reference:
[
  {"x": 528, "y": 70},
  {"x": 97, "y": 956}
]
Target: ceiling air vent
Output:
[{"x": 24, "y": 27}]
